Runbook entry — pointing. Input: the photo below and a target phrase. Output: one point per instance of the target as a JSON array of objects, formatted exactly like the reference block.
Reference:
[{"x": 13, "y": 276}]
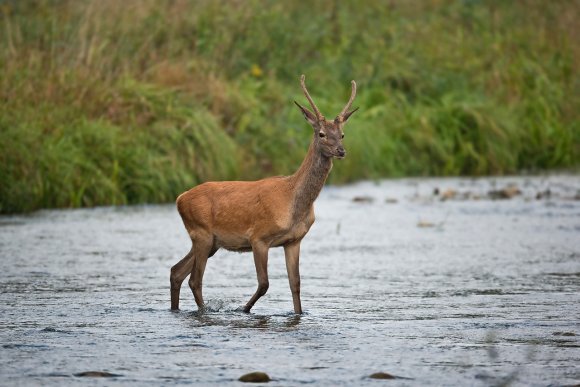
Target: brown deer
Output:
[{"x": 257, "y": 215}]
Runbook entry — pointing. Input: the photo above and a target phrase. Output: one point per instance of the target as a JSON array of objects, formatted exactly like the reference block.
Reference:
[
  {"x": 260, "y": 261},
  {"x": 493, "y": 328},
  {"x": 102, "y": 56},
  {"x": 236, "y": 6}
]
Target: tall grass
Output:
[{"x": 108, "y": 102}]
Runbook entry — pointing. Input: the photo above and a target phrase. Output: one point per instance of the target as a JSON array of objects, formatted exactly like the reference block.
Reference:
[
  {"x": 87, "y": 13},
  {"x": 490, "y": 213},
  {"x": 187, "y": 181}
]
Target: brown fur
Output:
[{"x": 256, "y": 215}]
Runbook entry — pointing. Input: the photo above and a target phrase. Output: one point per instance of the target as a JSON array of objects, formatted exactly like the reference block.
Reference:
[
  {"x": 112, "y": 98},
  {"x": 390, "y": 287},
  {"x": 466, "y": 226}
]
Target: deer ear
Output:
[
  {"x": 348, "y": 114},
  {"x": 310, "y": 117}
]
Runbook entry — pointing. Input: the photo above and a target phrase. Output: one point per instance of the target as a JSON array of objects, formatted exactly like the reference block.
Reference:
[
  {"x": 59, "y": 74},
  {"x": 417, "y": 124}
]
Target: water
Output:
[{"x": 455, "y": 292}]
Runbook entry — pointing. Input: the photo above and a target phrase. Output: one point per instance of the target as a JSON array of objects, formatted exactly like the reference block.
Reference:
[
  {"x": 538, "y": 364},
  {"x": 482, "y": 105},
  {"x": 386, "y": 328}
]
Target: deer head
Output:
[{"x": 328, "y": 134}]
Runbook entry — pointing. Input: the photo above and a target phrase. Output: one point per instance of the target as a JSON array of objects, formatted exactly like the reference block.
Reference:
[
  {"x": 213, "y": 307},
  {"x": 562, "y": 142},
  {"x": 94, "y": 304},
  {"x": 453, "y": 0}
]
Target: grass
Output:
[{"x": 107, "y": 102}]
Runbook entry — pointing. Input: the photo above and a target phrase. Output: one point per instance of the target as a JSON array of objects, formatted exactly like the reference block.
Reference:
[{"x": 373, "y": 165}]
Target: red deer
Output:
[{"x": 254, "y": 216}]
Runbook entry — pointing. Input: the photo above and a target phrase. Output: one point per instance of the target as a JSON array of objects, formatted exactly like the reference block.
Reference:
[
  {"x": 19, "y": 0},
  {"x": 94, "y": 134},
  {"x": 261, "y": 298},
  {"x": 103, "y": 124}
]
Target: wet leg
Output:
[
  {"x": 261, "y": 261},
  {"x": 292, "y": 254},
  {"x": 178, "y": 273},
  {"x": 203, "y": 249}
]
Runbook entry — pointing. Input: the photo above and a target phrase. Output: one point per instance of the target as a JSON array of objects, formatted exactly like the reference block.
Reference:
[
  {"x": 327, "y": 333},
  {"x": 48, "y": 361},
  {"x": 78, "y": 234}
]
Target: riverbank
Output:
[{"x": 106, "y": 103}]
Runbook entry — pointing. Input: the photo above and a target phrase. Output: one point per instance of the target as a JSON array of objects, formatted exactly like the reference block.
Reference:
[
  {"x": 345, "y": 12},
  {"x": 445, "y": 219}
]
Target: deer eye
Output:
[
  {"x": 321, "y": 135},
  {"x": 342, "y": 136}
]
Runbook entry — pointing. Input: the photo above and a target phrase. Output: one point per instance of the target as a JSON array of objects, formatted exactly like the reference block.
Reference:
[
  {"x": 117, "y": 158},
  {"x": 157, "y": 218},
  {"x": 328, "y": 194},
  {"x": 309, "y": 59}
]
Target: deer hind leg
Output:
[
  {"x": 178, "y": 273},
  {"x": 261, "y": 261},
  {"x": 203, "y": 249}
]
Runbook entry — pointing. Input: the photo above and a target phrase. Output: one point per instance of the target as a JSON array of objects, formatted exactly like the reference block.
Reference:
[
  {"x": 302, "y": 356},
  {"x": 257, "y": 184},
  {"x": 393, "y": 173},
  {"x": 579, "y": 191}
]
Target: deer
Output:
[{"x": 244, "y": 216}]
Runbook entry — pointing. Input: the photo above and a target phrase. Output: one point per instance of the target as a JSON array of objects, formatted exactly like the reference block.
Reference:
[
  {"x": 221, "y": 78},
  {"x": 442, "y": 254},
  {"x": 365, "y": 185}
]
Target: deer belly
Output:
[{"x": 233, "y": 242}]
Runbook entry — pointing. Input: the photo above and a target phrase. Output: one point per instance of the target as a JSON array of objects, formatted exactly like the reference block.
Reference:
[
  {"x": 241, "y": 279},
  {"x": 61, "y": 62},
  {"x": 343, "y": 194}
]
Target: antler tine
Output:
[
  {"x": 312, "y": 104},
  {"x": 349, "y": 104}
]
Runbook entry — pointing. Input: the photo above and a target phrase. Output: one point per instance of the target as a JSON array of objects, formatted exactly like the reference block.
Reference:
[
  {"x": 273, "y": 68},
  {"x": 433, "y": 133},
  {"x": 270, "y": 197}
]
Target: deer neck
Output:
[{"x": 309, "y": 180}]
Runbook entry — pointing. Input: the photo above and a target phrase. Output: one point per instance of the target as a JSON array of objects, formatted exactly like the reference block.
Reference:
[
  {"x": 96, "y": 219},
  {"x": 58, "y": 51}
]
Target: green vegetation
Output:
[{"x": 113, "y": 102}]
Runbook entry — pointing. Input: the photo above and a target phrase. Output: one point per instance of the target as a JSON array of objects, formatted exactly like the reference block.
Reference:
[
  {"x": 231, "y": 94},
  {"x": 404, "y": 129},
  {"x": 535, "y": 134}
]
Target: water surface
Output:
[{"x": 447, "y": 289}]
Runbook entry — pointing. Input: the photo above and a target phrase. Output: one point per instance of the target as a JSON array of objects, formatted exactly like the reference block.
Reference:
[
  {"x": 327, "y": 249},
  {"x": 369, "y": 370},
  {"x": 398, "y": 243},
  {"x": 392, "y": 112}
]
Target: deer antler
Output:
[
  {"x": 319, "y": 115},
  {"x": 344, "y": 111}
]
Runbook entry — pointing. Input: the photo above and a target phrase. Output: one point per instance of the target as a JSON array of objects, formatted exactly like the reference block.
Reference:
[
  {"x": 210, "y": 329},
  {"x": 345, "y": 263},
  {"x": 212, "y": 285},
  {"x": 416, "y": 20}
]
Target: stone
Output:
[
  {"x": 425, "y": 224},
  {"x": 448, "y": 195},
  {"x": 96, "y": 374},
  {"x": 363, "y": 199},
  {"x": 255, "y": 377},
  {"x": 504, "y": 193},
  {"x": 382, "y": 375}
]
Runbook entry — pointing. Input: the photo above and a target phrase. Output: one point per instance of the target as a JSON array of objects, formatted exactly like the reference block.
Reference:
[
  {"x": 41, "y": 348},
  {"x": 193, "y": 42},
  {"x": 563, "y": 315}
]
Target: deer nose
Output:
[{"x": 340, "y": 151}]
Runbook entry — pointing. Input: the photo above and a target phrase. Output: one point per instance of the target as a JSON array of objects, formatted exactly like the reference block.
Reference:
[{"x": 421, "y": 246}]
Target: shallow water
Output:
[{"x": 454, "y": 292}]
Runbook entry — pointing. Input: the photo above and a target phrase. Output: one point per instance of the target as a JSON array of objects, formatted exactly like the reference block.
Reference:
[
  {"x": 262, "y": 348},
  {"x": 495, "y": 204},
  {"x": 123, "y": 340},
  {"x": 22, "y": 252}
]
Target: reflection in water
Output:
[
  {"x": 239, "y": 319},
  {"x": 293, "y": 321},
  {"x": 489, "y": 296}
]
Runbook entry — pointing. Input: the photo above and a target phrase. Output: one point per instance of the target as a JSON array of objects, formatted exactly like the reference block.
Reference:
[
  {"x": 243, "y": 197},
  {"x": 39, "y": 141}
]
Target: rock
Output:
[
  {"x": 425, "y": 224},
  {"x": 448, "y": 194},
  {"x": 255, "y": 377},
  {"x": 363, "y": 199},
  {"x": 505, "y": 193},
  {"x": 544, "y": 194},
  {"x": 96, "y": 374},
  {"x": 382, "y": 375},
  {"x": 564, "y": 334}
]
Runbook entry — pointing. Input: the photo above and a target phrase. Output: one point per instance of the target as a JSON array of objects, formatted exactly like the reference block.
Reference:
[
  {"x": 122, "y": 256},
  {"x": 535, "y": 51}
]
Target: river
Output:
[{"x": 433, "y": 281}]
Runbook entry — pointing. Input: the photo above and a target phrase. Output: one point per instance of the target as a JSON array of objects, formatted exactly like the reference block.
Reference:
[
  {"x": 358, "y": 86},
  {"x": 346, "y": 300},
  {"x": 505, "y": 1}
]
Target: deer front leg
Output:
[
  {"x": 178, "y": 273},
  {"x": 261, "y": 261},
  {"x": 292, "y": 254}
]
